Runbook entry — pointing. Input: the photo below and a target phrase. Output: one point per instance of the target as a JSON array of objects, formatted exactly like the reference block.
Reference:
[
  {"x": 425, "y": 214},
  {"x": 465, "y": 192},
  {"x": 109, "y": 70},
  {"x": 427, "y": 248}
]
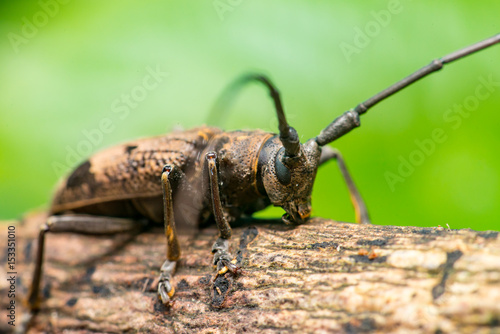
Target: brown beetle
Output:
[{"x": 191, "y": 177}]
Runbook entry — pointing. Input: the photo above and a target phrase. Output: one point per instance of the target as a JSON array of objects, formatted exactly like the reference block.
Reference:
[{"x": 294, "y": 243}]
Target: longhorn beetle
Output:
[{"x": 207, "y": 174}]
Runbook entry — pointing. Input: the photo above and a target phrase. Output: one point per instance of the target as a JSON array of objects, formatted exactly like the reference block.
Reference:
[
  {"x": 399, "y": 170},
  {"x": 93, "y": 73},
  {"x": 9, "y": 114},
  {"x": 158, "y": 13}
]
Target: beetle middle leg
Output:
[
  {"x": 165, "y": 287},
  {"x": 360, "y": 209}
]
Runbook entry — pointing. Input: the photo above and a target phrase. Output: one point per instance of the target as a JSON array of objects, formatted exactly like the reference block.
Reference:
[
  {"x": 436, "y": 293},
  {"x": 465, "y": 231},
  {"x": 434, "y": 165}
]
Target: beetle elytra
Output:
[{"x": 203, "y": 174}]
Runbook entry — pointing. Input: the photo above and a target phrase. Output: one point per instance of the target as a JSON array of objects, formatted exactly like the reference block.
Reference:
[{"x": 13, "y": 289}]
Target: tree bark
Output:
[{"x": 320, "y": 277}]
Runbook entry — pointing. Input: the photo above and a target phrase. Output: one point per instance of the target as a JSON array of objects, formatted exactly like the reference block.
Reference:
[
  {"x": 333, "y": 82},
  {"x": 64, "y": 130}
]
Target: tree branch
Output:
[{"x": 321, "y": 276}]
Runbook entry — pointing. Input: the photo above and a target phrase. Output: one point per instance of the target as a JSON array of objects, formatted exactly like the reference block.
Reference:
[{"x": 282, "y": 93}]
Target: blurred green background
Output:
[{"x": 65, "y": 67}]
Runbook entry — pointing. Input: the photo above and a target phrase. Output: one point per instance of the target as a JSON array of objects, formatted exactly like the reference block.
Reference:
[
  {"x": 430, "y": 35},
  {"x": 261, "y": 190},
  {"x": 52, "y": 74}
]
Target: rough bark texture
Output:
[{"x": 321, "y": 277}]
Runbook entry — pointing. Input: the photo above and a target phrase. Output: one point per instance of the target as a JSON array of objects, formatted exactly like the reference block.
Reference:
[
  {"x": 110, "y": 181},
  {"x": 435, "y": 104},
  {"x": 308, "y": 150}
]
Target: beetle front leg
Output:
[
  {"x": 165, "y": 289},
  {"x": 223, "y": 260},
  {"x": 359, "y": 205}
]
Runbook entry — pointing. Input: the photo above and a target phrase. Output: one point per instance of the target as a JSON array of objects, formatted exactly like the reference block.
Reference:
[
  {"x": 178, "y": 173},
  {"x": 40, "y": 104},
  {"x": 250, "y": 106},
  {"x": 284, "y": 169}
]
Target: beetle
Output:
[{"x": 205, "y": 174}]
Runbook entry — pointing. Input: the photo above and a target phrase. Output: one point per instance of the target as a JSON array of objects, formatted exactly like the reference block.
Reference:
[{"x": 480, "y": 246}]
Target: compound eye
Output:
[{"x": 282, "y": 172}]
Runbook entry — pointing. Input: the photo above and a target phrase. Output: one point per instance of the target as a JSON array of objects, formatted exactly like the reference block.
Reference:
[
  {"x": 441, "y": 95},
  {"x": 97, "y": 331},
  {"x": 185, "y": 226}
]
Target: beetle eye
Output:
[{"x": 282, "y": 172}]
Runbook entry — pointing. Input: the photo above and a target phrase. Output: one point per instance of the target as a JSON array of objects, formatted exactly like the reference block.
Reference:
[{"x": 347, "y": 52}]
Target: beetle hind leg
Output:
[
  {"x": 165, "y": 288},
  {"x": 79, "y": 224}
]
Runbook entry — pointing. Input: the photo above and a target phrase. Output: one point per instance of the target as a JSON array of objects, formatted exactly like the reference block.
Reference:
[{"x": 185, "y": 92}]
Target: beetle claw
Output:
[
  {"x": 223, "y": 280},
  {"x": 165, "y": 292},
  {"x": 165, "y": 289},
  {"x": 224, "y": 266}
]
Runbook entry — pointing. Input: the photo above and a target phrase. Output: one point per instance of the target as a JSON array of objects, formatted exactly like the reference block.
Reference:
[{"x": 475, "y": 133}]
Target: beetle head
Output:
[{"x": 288, "y": 181}]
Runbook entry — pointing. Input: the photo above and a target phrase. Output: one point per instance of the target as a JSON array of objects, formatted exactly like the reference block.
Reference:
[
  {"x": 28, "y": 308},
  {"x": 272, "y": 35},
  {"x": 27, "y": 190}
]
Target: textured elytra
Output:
[{"x": 131, "y": 170}]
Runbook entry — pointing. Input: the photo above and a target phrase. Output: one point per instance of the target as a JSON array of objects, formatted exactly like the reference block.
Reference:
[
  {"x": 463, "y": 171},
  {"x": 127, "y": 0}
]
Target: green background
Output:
[{"x": 66, "y": 75}]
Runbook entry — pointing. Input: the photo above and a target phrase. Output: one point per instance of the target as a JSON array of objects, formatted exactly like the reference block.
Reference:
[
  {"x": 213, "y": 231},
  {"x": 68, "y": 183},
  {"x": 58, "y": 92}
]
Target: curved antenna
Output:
[
  {"x": 288, "y": 135},
  {"x": 350, "y": 119}
]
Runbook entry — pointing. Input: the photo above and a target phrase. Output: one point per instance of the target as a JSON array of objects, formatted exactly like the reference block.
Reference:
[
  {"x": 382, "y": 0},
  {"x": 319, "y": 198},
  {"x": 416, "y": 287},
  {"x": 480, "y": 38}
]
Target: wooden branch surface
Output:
[{"x": 321, "y": 277}]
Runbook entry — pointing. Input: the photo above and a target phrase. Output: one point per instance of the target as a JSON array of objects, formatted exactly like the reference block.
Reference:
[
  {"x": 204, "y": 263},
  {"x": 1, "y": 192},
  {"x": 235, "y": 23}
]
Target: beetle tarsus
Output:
[
  {"x": 166, "y": 290},
  {"x": 223, "y": 260},
  {"x": 227, "y": 268}
]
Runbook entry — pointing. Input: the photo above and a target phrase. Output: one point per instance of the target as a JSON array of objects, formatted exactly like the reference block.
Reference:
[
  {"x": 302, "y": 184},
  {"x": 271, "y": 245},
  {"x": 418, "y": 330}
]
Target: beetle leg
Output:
[
  {"x": 165, "y": 289},
  {"x": 222, "y": 258},
  {"x": 360, "y": 209},
  {"x": 74, "y": 223}
]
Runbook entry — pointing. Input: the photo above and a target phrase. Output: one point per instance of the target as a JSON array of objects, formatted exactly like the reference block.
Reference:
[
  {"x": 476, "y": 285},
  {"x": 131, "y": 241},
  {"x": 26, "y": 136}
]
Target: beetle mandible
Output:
[{"x": 194, "y": 176}]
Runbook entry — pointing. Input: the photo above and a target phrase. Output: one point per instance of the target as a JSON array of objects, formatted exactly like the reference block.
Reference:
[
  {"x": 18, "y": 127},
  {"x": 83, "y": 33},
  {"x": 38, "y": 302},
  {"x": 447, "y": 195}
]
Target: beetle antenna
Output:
[
  {"x": 350, "y": 119},
  {"x": 288, "y": 135}
]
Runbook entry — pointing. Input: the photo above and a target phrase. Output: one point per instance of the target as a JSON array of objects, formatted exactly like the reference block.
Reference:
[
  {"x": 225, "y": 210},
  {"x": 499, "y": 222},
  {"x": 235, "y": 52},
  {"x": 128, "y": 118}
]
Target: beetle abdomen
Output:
[{"x": 129, "y": 171}]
